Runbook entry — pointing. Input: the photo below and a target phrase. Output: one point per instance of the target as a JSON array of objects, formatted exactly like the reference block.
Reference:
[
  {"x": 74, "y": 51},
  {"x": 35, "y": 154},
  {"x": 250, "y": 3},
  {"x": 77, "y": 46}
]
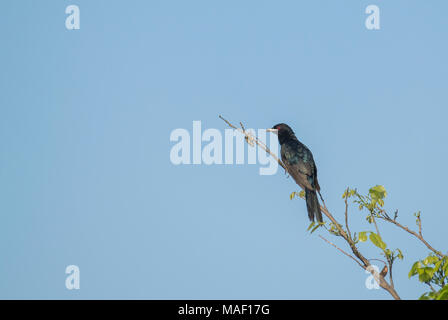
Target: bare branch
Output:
[
  {"x": 376, "y": 226},
  {"x": 250, "y": 137},
  {"x": 346, "y": 215},
  {"x": 347, "y": 254},
  {"x": 418, "y": 235}
]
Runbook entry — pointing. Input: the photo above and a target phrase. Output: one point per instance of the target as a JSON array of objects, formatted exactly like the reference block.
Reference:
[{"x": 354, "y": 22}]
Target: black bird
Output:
[{"x": 300, "y": 165}]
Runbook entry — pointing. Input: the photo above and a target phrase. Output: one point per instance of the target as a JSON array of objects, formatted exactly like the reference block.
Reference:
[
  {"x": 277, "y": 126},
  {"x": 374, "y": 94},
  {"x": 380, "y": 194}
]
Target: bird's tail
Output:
[{"x": 312, "y": 205}]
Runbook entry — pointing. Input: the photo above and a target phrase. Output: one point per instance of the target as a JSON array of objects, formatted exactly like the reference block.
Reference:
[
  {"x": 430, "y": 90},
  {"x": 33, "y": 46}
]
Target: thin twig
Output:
[
  {"x": 250, "y": 137},
  {"x": 391, "y": 280},
  {"x": 347, "y": 254},
  {"x": 417, "y": 235},
  {"x": 346, "y": 216},
  {"x": 376, "y": 226}
]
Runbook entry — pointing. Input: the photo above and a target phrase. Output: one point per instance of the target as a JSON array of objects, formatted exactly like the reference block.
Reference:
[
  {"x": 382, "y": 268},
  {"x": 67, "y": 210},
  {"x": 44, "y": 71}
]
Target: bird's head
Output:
[{"x": 283, "y": 131}]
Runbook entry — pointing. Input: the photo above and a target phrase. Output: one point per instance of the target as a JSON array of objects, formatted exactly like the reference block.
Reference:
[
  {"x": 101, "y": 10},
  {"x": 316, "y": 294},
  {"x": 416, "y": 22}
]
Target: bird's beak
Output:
[{"x": 272, "y": 130}]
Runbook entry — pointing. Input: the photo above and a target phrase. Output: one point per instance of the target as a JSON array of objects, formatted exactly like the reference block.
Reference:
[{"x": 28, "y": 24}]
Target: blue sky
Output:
[{"x": 86, "y": 116}]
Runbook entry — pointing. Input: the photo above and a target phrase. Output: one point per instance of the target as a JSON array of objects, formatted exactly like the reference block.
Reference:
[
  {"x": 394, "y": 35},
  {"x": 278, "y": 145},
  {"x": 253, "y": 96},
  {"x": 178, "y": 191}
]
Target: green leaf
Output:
[
  {"x": 363, "y": 236},
  {"x": 443, "y": 294},
  {"x": 424, "y": 297},
  {"x": 302, "y": 194},
  {"x": 437, "y": 265},
  {"x": 400, "y": 254},
  {"x": 425, "y": 274},
  {"x": 376, "y": 240},
  {"x": 430, "y": 260},
  {"x": 377, "y": 192},
  {"x": 348, "y": 193},
  {"x": 414, "y": 269},
  {"x": 445, "y": 265}
]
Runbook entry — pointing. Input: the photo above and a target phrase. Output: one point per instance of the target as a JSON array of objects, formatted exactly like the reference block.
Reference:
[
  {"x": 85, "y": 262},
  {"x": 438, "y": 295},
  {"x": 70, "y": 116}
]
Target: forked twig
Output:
[{"x": 250, "y": 137}]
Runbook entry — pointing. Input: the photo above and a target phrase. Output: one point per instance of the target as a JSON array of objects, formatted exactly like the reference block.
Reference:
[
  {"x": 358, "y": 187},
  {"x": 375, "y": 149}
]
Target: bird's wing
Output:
[
  {"x": 302, "y": 172},
  {"x": 301, "y": 178}
]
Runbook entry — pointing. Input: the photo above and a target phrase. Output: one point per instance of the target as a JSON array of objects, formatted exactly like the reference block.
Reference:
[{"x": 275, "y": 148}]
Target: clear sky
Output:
[{"x": 85, "y": 120}]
